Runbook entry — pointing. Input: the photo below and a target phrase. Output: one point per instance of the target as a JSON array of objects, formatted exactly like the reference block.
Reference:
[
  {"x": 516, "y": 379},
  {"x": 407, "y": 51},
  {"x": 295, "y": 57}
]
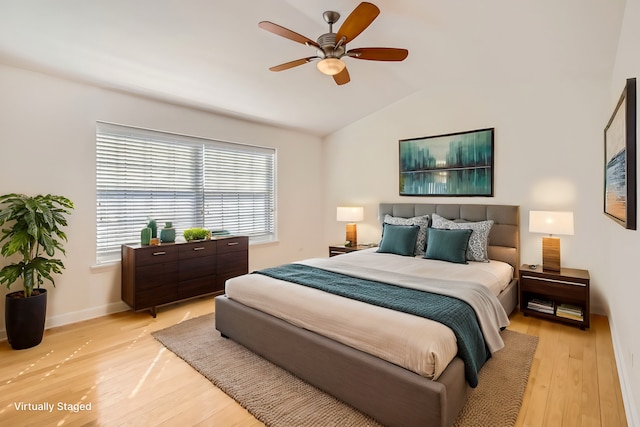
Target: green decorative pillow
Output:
[
  {"x": 479, "y": 241},
  {"x": 448, "y": 245},
  {"x": 421, "y": 221},
  {"x": 399, "y": 239}
]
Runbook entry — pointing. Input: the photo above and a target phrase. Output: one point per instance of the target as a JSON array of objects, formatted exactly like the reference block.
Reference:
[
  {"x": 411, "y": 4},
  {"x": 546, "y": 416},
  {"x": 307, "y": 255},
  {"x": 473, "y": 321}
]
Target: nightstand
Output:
[
  {"x": 342, "y": 249},
  {"x": 558, "y": 295}
]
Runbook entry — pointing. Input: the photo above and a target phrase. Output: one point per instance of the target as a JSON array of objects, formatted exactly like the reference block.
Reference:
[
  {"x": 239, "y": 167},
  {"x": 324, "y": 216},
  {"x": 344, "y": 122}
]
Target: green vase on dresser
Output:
[{"x": 168, "y": 233}]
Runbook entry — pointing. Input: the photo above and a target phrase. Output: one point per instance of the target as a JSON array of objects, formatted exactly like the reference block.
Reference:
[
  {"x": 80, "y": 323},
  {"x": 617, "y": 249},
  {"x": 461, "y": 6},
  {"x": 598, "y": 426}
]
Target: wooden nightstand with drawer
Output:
[
  {"x": 562, "y": 296},
  {"x": 342, "y": 249}
]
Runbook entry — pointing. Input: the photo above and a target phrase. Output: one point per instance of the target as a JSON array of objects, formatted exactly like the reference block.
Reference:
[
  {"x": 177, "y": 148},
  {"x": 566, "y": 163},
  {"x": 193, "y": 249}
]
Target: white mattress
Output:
[
  {"x": 495, "y": 275},
  {"x": 420, "y": 345}
]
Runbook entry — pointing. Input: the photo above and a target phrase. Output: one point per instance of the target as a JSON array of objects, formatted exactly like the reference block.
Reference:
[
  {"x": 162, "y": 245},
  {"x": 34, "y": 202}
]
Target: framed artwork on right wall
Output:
[{"x": 620, "y": 160}]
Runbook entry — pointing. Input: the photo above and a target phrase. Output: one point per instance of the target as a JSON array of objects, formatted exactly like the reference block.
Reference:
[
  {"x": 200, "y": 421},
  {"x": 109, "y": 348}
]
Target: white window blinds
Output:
[{"x": 189, "y": 181}]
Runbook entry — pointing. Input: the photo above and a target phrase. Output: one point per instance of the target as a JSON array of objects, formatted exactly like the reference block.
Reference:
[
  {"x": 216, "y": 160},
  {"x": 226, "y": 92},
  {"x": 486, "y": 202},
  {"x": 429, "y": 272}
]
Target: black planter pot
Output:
[{"x": 24, "y": 318}]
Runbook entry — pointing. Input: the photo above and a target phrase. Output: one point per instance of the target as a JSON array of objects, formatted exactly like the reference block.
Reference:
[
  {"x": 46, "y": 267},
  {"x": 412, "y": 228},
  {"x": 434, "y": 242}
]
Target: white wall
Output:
[
  {"x": 548, "y": 145},
  {"x": 47, "y": 145},
  {"x": 623, "y": 246}
]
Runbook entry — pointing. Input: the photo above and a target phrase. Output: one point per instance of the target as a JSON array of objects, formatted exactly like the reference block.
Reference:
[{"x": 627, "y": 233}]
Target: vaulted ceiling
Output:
[{"x": 210, "y": 54}]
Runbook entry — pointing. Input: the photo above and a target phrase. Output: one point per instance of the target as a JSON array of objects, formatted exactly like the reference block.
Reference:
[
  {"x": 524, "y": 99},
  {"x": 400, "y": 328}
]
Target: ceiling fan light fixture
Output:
[{"x": 331, "y": 66}]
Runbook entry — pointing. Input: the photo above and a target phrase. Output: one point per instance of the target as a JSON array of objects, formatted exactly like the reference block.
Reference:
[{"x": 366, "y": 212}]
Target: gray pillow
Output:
[
  {"x": 398, "y": 239},
  {"x": 448, "y": 245},
  {"x": 479, "y": 240},
  {"x": 421, "y": 221}
]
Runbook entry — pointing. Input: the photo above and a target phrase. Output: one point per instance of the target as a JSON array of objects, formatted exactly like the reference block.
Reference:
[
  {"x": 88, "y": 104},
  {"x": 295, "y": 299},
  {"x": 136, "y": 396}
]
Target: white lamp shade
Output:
[
  {"x": 350, "y": 214},
  {"x": 549, "y": 222}
]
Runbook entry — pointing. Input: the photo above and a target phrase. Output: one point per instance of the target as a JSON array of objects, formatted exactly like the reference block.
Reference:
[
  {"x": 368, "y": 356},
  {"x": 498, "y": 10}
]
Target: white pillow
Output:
[{"x": 479, "y": 240}]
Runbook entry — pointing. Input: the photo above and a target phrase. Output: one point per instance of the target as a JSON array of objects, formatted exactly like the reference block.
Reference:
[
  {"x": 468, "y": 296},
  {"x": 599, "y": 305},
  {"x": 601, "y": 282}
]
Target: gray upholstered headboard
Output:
[{"x": 504, "y": 238}]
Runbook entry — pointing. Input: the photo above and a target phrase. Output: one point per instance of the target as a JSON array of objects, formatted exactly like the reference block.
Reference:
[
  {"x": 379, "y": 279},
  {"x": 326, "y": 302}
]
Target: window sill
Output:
[
  {"x": 106, "y": 266},
  {"x": 264, "y": 243}
]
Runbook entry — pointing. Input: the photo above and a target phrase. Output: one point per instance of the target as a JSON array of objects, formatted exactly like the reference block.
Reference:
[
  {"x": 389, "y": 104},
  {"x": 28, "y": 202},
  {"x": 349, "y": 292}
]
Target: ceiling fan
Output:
[{"x": 332, "y": 47}]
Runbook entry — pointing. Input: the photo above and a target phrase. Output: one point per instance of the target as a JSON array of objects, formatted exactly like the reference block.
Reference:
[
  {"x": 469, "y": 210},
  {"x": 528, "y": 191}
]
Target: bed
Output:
[{"x": 393, "y": 394}]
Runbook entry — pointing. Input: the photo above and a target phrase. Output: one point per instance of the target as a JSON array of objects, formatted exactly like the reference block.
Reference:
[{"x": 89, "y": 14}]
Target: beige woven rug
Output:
[{"x": 277, "y": 398}]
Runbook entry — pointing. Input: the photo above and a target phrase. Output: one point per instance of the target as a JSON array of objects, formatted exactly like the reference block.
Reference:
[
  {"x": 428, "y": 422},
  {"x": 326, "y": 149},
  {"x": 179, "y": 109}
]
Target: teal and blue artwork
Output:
[
  {"x": 455, "y": 164},
  {"x": 620, "y": 160}
]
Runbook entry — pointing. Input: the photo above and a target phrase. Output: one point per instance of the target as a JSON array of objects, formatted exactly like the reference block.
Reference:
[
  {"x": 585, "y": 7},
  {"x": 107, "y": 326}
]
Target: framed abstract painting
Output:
[
  {"x": 620, "y": 160},
  {"x": 455, "y": 164}
]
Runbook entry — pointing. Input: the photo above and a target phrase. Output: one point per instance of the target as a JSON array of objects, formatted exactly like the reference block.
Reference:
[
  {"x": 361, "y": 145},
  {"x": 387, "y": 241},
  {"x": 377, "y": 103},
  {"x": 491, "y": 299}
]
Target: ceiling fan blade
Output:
[
  {"x": 286, "y": 33},
  {"x": 342, "y": 77},
  {"x": 292, "y": 64},
  {"x": 361, "y": 17},
  {"x": 379, "y": 53}
]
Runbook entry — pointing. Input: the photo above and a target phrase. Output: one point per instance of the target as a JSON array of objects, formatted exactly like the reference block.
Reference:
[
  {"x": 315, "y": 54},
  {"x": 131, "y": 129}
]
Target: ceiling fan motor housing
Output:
[{"x": 328, "y": 44}]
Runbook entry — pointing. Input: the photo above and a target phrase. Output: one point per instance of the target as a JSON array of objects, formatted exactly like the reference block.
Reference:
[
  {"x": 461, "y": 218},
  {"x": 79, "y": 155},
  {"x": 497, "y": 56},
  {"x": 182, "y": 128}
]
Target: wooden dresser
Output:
[{"x": 156, "y": 275}]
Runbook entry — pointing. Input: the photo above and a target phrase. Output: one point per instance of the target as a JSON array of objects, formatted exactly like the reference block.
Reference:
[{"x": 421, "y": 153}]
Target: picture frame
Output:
[
  {"x": 620, "y": 160},
  {"x": 450, "y": 165}
]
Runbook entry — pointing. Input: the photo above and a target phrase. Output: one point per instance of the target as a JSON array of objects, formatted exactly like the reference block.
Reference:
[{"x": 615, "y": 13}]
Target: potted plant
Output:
[
  {"x": 34, "y": 235},
  {"x": 195, "y": 233}
]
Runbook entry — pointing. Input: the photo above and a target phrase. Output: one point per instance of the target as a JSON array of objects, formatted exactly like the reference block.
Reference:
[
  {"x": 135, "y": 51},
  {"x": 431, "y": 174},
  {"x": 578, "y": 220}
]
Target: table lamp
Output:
[
  {"x": 350, "y": 215},
  {"x": 551, "y": 223}
]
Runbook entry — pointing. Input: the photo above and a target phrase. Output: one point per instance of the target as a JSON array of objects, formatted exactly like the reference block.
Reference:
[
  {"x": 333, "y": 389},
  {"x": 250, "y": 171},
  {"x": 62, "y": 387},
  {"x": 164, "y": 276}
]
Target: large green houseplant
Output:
[{"x": 33, "y": 235}]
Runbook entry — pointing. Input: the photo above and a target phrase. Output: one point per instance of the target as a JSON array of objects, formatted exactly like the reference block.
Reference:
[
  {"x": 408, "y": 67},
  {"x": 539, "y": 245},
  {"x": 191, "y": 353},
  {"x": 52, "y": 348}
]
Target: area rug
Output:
[{"x": 278, "y": 398}]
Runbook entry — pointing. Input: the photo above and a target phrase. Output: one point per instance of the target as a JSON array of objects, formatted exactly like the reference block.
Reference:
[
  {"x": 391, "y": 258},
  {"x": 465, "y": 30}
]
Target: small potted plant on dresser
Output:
[{"x": 33, "y": 236}]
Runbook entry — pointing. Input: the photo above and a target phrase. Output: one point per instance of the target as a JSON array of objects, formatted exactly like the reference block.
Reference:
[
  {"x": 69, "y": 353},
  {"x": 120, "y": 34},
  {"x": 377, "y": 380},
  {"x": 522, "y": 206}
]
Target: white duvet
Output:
[{"x": 420, "y": 345}]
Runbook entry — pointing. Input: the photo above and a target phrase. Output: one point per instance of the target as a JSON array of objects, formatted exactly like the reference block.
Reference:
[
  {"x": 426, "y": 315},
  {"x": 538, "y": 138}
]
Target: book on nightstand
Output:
[
  {"x": 543, "y": 306},
  {"x": 569, "y": 311}
]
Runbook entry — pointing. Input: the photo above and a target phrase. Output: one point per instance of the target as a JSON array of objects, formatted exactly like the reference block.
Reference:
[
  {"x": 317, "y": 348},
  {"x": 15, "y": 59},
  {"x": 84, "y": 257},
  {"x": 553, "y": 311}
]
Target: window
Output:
[{"x": 189, "y": 181}]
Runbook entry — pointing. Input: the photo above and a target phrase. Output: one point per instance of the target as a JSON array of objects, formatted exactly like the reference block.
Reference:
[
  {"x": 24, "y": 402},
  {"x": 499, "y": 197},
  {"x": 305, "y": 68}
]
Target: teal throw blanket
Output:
[{"x": 452, "y": 312}]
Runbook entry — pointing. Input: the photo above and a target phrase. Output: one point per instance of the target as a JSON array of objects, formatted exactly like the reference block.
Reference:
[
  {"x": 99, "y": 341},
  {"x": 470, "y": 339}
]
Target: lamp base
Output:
[
  {"x": 551, "y": 253},
  {"x": 352, "y": 235}
]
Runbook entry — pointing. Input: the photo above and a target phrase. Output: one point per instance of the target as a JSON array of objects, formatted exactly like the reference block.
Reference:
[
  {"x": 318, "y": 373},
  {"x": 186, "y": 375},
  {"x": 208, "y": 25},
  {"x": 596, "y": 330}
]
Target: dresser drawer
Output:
[
  {"x": 554, "y": 288},
  {"x": 233, "y": 263},
  {"x": 195, "y": 287},
  {"x": 233, "y": 244},
  {"x": 198, "y": 249},
  {"x": 230, "y": 265},
  {"x": 156, "y": 275},
  {"x": 192, "y": 268},
  {"x": 156, "y": 254},
  {"x": 156, "y": 296}
]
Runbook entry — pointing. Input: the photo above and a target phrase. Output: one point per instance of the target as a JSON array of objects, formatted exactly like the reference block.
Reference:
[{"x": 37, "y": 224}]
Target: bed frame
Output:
[{"x": 392, "y": 395}]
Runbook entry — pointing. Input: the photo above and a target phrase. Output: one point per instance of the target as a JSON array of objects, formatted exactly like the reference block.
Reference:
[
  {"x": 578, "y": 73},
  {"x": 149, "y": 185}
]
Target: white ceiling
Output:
[{"x": 210, "y": 54}]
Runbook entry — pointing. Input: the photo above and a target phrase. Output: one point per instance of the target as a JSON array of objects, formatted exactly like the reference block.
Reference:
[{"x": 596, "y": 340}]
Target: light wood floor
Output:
[{"x": 114, "y": 365}]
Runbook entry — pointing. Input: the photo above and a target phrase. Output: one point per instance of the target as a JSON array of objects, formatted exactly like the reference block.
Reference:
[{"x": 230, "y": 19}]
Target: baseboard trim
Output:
[
  {"x": 79, "y": 316},
  {"x": 630, "y": 409}
]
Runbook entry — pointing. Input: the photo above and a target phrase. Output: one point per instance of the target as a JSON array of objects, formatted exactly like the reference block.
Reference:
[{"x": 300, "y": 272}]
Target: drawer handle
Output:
[
  {"x": 554, "y": 281},
  {"x": 201, "y": 248},
  {"x": 159, "y": 253},
  {"x": 232, "y": 243}
]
